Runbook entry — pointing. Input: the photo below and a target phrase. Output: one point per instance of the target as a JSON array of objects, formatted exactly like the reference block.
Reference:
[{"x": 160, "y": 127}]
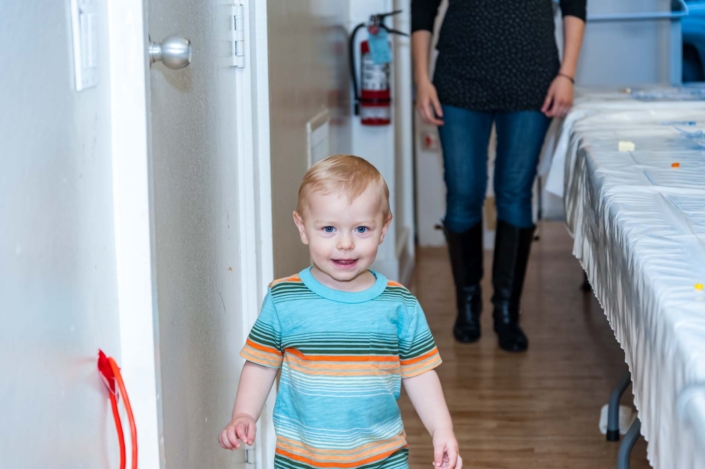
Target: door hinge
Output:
[
  {"x": 237, "y": 35},
  {"x": 250, "y": 456}
]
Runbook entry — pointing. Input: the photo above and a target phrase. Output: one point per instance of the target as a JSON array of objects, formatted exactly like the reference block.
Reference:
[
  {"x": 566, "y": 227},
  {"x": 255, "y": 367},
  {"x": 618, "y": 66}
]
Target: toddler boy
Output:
[{"x": 345, "y": 339}]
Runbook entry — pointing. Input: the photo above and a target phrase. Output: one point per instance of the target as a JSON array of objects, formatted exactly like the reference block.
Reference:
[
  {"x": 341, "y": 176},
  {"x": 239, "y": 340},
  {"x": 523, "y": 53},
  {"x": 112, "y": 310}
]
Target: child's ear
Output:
[
  {"x": 299, "y": 222},
  {"x": 385, "y": 228}
]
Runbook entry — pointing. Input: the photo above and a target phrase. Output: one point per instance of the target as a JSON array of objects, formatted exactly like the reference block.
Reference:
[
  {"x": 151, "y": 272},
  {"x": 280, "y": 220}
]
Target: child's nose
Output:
[{"x": 345, "y": 243}]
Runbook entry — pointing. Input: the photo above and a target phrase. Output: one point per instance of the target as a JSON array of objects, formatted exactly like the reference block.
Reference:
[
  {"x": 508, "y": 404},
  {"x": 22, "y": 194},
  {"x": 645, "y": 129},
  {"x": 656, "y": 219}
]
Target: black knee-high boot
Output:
[
  {"x": 511, "y": 255},
  {"x": 466, "y": 261}
]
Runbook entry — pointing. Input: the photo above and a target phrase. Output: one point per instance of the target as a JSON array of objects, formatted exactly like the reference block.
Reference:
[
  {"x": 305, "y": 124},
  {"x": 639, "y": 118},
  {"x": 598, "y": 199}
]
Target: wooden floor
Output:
[{"x": 534, "y": 410}]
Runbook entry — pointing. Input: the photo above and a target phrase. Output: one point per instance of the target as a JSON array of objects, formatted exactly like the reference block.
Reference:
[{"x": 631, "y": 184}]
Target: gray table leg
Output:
[
  {"x": 613, "y": 414},
  {"x": 625, "y": 449}
]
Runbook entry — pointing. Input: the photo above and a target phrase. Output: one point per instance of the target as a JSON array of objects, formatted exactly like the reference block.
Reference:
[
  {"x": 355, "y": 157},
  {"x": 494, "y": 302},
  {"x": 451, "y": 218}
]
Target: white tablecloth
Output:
[
  {"x": 612, "y": 110},
  {"x": 639, "y": 229}
]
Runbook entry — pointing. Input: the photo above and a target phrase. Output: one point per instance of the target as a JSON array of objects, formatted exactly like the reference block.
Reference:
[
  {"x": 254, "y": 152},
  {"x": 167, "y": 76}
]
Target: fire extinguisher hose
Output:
[
  {"x": 353, "y": 69},
  {"x": 118, "y": 427},
  {"x": 110, "y": 372},
  {"x": 128, "y": 409}
]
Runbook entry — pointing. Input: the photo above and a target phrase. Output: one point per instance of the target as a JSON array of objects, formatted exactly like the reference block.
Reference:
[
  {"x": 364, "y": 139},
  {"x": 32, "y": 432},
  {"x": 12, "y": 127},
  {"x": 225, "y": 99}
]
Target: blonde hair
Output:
[{"x": 350, "y": 174}]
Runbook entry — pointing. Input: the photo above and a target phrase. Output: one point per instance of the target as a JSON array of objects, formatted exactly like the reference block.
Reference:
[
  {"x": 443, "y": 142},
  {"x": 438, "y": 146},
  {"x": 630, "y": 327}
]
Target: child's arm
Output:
[
  {"x": 426, "y": 395},
  {"x": 255, "y": 384}
]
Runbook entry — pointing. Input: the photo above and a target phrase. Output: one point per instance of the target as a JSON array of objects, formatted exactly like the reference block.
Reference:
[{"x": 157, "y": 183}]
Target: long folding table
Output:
[{"x": 632, "y": 175}]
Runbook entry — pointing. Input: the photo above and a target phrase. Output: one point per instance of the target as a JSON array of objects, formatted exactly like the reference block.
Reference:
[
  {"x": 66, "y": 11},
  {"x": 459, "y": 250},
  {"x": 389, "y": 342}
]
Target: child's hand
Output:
[
  {"x": 445, "y": 451},
  {"x": 241, "y": 428}
]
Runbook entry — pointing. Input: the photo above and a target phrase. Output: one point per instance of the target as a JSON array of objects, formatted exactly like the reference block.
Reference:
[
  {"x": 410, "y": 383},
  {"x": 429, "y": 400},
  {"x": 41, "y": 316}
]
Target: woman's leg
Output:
[
  {"x": 520, "y": 136},
  {"x": 464, "y": 139}
]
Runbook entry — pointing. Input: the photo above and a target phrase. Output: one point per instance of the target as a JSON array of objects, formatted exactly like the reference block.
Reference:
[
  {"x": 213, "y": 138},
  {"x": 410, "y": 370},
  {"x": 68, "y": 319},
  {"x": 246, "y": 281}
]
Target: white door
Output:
[{"x": 206, "y": 227}]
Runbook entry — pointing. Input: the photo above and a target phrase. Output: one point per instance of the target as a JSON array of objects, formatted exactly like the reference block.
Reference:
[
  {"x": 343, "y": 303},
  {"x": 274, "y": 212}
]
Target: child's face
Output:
[{"x": 343, "y": 236}]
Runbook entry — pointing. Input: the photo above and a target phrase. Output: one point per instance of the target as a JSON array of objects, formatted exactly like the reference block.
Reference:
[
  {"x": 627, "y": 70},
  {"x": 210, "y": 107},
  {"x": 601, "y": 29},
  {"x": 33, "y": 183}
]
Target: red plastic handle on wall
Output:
[{"x": 110, "y": 372}]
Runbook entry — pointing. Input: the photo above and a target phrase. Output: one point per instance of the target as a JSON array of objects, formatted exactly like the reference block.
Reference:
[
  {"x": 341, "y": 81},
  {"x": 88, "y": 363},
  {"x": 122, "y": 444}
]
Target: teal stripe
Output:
[
  {"x": 418, "y": 348},
  {"x": 327, "y": 337},
  {"x": 265, "y": 335},
  {"x": 417, "y": 352},
  {"x": 290, "y": 291},
  {"x": 398, "y": 294},
  {"x": 294, "y": 297},
  {"x": 283, "y": 286}
]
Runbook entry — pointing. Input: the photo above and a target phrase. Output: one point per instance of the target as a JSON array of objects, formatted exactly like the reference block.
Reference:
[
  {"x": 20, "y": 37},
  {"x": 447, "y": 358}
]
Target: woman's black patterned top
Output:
[{"x": 495, "y": 55}]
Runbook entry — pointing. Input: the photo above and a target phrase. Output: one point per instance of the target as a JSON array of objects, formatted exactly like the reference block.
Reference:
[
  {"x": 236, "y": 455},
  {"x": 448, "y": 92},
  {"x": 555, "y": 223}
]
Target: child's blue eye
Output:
[
  {"x": 361, "y": 229},
  {"x": 328, "y": 229}
]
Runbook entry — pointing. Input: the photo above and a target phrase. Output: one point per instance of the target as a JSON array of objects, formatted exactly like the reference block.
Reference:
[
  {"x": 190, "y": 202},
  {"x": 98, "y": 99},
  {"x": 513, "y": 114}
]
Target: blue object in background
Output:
[
  {"x": 693, "y": 27},
  {"x": 379, "y": 47}
]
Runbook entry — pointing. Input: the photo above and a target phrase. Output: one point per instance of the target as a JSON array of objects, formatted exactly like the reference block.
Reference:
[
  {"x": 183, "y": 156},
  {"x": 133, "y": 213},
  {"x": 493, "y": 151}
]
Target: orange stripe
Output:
[
  {"x": 422, "y": 364},
  {"x": 256, "y": 353},
  {"x": 368, "y": 370},
  {"x": 420, "y": 368},
  {"x": 250, "y": 352},
  {"x": 360, "y": 368},
  {"x": 367, "y": 446},
  {"x": 263, "y": 348},
  {"x": 261, "y": 361},
  {"x": 311, "y": 462},
  {"x": 423, "y": 357},
  {"x": 342, "y": 358},
  {"x": 335, "y": 367},
  {"x": 349, "y": 455},
  {"x": 292, "y": 279},
  {"x": 392, "y": 283}
]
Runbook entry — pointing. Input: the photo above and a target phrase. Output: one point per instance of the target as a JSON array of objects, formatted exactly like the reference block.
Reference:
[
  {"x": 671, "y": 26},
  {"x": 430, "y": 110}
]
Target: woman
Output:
[{"x": 498, "y": 63}]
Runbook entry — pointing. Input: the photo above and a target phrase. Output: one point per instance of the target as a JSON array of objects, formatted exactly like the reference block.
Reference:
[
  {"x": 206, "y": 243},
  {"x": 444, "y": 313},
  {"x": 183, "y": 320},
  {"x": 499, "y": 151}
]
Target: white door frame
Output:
[
  {"x": 255, "y": 84},
  {"x": 129, "y": 77}
]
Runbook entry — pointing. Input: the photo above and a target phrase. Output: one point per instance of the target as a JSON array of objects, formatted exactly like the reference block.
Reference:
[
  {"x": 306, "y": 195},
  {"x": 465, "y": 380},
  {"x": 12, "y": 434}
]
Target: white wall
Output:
[
  {"x": 430, "y": 188},
  {"x": 376, "y": 144},
  {"x": 308, "y": 75},
  {"x": 390, "y": 148},
  {"x": 632, "y": 52},
  {"x": 57, "y": 260}
]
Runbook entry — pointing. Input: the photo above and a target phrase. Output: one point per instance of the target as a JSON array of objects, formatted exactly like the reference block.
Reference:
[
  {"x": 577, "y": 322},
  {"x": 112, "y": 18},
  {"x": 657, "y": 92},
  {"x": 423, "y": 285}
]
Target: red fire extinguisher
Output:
[{"x": 373, "y": 102}]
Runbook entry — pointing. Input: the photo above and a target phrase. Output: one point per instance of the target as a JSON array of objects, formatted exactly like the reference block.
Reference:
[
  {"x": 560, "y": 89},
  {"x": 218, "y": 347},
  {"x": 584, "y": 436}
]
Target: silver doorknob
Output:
[{"x": 174, "y": 52}]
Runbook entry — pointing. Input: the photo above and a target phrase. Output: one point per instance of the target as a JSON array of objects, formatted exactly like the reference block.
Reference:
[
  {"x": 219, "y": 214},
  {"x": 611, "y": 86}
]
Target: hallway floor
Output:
[{"x": 534, "y": 410}]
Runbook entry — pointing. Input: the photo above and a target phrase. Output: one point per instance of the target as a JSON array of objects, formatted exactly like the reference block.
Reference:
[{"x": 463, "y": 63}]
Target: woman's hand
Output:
[
  {"x": 445, "y": 451},
  {"x": 241, "y": 428},
  {"x": 428, "y": 104},
  {"x": 559, "y": 98}
]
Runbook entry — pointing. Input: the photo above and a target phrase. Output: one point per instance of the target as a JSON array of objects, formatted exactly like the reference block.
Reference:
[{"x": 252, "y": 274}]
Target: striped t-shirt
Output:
[{"x": 343, "y": 355}]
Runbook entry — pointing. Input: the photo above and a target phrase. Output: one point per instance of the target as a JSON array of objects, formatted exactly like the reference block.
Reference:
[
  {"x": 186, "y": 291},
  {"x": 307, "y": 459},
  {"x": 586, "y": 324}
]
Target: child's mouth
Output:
[{"x": 345, "y": 263}]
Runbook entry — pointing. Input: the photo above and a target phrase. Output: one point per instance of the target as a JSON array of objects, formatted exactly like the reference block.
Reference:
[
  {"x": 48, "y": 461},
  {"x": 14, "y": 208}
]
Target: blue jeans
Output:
[{"x": 465, "y": 138}]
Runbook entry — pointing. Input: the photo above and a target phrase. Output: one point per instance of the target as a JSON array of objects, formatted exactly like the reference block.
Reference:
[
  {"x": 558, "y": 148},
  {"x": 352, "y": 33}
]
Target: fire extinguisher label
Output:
[
  {"x": 375, "y": 77},
  {"x": 376, "y": 113},
  {"x": 380, "y": 49}
]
